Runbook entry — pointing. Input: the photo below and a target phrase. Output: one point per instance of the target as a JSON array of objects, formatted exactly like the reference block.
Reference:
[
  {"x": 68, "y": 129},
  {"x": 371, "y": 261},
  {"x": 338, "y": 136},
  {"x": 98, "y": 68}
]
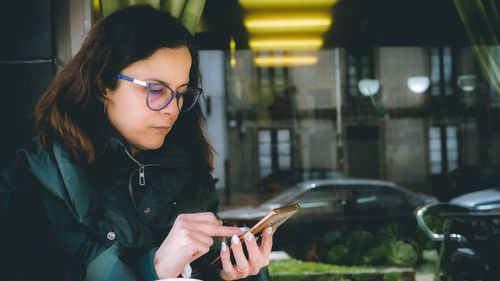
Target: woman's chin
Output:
[{"x": 153, "y": 145}]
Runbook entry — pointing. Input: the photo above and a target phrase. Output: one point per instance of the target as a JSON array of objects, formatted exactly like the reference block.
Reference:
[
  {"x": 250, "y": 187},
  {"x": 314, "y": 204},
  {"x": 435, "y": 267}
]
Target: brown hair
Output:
[{"x": 71, "y": 111}]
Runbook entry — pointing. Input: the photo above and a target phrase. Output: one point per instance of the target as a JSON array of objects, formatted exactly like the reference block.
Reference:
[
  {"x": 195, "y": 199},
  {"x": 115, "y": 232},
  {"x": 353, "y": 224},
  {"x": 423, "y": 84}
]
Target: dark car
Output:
[
  {"x": 343, "y": 204},
  {"x": 470, "y": 178},
  {"x": 290, "y": 177},
  {"x": 487, "y": 200}
]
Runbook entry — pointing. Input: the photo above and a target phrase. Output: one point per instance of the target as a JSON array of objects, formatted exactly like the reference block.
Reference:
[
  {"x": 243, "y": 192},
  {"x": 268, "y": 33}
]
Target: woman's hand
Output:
[
  {"x": 258, "y": 256},
  {"x": 189, "y": 238}
]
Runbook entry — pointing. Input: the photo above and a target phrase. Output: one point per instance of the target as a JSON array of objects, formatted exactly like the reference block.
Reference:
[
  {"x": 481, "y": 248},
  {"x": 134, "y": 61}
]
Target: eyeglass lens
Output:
[{"x": 159, "y": 96}]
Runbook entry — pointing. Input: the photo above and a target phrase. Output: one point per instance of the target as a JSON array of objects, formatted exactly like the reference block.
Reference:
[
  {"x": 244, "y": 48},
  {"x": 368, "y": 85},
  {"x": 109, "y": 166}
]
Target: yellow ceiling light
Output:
[
  {"x": 273, "y": 23},
  {"x": 285, "y": 61},
  {"x": 232, "y": 48},
  {"x": 286, "y": 3},
  {"x": 308, "y": 43}
]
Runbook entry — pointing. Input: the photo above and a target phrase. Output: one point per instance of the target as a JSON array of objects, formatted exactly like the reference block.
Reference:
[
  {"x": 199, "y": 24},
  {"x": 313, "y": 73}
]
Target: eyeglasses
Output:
[{"x": 160, "y": 95}]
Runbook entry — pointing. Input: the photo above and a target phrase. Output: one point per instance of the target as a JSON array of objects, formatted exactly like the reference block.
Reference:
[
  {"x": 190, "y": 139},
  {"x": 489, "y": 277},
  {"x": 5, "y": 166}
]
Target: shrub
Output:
[{"x": 386, "y": 247}]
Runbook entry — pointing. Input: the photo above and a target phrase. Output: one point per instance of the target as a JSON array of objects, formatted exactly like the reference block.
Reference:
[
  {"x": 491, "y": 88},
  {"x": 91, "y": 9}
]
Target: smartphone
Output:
[{"x": 274, "y": 218}]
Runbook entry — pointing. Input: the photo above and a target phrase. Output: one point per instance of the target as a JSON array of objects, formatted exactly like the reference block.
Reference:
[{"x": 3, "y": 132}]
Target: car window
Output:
[
  {"x": 491, "y": 206},
  {"x": 325, "y": 200},
  {"x": 334, "y": 175},
  {"x": 370, "y": 198},
  {"x": 312, "y": 175}
]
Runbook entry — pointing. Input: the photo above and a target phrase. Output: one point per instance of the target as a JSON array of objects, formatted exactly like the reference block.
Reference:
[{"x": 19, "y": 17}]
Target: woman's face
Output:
[{"x": 126, "y": 108}]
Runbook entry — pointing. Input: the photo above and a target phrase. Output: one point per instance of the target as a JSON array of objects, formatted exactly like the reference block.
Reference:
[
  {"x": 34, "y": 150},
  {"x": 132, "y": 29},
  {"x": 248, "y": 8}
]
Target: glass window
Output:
[
  {"x": 325, "y": 200},
  {"x": 435, "y": 149},
  {"x": 275, "y": 150},
  {"x": 377, "y": 198}
]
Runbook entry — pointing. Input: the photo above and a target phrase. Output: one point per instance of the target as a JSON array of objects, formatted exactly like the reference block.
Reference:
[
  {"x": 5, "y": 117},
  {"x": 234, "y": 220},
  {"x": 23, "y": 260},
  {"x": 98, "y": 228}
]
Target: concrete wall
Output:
[
  {"x": 394, "y": 65},
  {"x": 212, "y": 67}
]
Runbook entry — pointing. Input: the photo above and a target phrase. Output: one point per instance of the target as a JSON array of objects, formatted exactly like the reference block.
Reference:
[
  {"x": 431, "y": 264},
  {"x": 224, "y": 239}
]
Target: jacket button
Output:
[
  {"x": 111, "y": 235},
  {"x": 147, "y": 210},
  {"x": 175, "y": 203}
]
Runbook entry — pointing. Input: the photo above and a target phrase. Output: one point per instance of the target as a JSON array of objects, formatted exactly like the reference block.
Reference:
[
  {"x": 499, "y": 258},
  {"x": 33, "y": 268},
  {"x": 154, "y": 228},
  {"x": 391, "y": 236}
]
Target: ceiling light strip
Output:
[
  {"x": 286, "y": 44},
  {"x": 285, "y": 61},
  {"x": 286, "y": 3}
]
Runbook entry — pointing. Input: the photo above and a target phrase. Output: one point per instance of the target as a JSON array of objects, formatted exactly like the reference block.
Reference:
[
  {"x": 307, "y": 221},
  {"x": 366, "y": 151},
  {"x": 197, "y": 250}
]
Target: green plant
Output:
[
  {"x": 390, "y": 232},
  {"x": 336, "y": 254},
  {"x": 358, "y": 243},
  {"x": 328, "y": 240},
  {"x": 392, "y": 244},
  {"x": 400, "y": 253}
]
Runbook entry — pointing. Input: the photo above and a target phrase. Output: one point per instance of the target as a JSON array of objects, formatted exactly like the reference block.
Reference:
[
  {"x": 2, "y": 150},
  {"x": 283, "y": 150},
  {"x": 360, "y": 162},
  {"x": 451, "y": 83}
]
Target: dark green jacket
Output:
[{"x": 67, "y": 221}]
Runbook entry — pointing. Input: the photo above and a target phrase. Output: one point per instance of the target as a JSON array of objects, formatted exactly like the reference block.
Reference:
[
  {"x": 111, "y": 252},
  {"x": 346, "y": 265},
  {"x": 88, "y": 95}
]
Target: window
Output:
[
  {"x": 441, "y": 67},
  {"x": 372, "y": 198},
  {"x": 275, "y": 150},
  {"x": 359, "y": 66},
  {"x": 325, "y": 200},
  {"x": 443, "y": 149}
]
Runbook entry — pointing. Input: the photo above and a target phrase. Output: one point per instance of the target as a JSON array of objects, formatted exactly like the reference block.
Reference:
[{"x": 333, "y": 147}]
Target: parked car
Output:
[
  {"x": 470, "y": 178},
  {"x": 343, "y": 204},
  {"x": 278, "y": 180},
  {"x": 487, "y": 200}
]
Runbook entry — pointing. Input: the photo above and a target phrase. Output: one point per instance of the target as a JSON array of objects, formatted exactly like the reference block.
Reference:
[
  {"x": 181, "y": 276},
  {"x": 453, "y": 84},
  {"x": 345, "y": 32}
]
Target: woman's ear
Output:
[{"x": 103, "y": 90}]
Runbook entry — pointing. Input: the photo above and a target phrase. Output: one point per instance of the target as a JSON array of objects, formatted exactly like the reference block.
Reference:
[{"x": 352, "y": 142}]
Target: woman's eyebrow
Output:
[{"x": 165, "y": 83}]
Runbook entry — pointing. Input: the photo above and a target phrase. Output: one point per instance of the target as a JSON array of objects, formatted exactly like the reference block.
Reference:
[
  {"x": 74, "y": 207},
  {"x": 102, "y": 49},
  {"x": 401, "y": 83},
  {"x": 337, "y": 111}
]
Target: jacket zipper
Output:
[{"x": 142, "y": 176}]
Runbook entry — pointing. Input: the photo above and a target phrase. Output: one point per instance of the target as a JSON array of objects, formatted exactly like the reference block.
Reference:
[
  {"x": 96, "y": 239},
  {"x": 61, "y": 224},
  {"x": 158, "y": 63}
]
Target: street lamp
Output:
[
  {"x": 368, "y": 87},
  {"x": 418, "y": 84},
  {"x": 467, "y": 82}
]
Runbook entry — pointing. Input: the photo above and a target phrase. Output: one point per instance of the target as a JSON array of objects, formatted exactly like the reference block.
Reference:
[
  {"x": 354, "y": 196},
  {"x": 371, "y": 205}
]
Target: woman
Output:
[{"x": 120, "y": 171}]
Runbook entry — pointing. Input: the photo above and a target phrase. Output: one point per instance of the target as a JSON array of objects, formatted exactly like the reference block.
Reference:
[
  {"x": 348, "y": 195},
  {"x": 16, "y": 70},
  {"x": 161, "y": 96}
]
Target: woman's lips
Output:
[{"x": 162, "y": 129}]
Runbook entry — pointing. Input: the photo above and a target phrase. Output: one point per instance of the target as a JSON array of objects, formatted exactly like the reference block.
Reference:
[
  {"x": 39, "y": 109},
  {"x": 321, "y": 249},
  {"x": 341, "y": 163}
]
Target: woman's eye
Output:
[{"x": 157, "y": 90}]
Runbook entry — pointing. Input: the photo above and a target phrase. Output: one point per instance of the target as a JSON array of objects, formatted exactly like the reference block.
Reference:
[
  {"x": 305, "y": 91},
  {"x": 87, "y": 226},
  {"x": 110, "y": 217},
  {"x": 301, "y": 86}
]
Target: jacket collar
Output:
[{"x": 168, "y": 156}]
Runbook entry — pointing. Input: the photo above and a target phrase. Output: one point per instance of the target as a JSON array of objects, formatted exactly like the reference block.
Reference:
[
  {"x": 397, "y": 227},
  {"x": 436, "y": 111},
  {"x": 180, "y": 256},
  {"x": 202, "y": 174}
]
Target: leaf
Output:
[
  {"x": 401, "y": 253},
  {"x": 359, "y": 242},
  {"x": 376, "y": 255},
  {"x": 330, "y": 237},
  {"x": 390, "y": 232},
  {"x": 336, "y": 253},
  {"x": 326, "y": 242}
]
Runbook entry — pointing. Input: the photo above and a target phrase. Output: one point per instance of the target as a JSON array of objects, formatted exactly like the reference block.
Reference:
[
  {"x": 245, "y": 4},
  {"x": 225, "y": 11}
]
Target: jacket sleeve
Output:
[
  {"x": 43, "y": 236},
  {"x": 94, "y": 258},
  {"x": 28, "y": 248}
]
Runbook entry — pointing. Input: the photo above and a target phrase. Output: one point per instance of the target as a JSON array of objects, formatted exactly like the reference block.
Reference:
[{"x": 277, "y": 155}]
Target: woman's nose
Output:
[{"x": 171, "y": 108}]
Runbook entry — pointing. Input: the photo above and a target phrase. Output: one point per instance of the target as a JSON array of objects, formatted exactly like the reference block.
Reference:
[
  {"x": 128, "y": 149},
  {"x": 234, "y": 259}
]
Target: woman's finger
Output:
[
  {"x": 207, "y": 217},
  {"x": 203, "y": 223},
  {"x": 241, "y": 261},
  {"x": 252, "y": 248},
  {"x": 200, "y": 237},
  {"x": 225, "y": 231},
  {"x": 267, "y": 241},
  {"x": 225, "y": 258},
  {"x": 255, "y": 258}
]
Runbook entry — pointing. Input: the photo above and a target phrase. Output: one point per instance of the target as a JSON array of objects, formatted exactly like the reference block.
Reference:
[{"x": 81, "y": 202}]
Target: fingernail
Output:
[
  {"x": 224, "y": 246},
  {"x": 235, "y": 240},
  {"x": 269, "y": 230},
  {"x": 244, "y": 229},
  {"x": 249, "y": 236}
]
